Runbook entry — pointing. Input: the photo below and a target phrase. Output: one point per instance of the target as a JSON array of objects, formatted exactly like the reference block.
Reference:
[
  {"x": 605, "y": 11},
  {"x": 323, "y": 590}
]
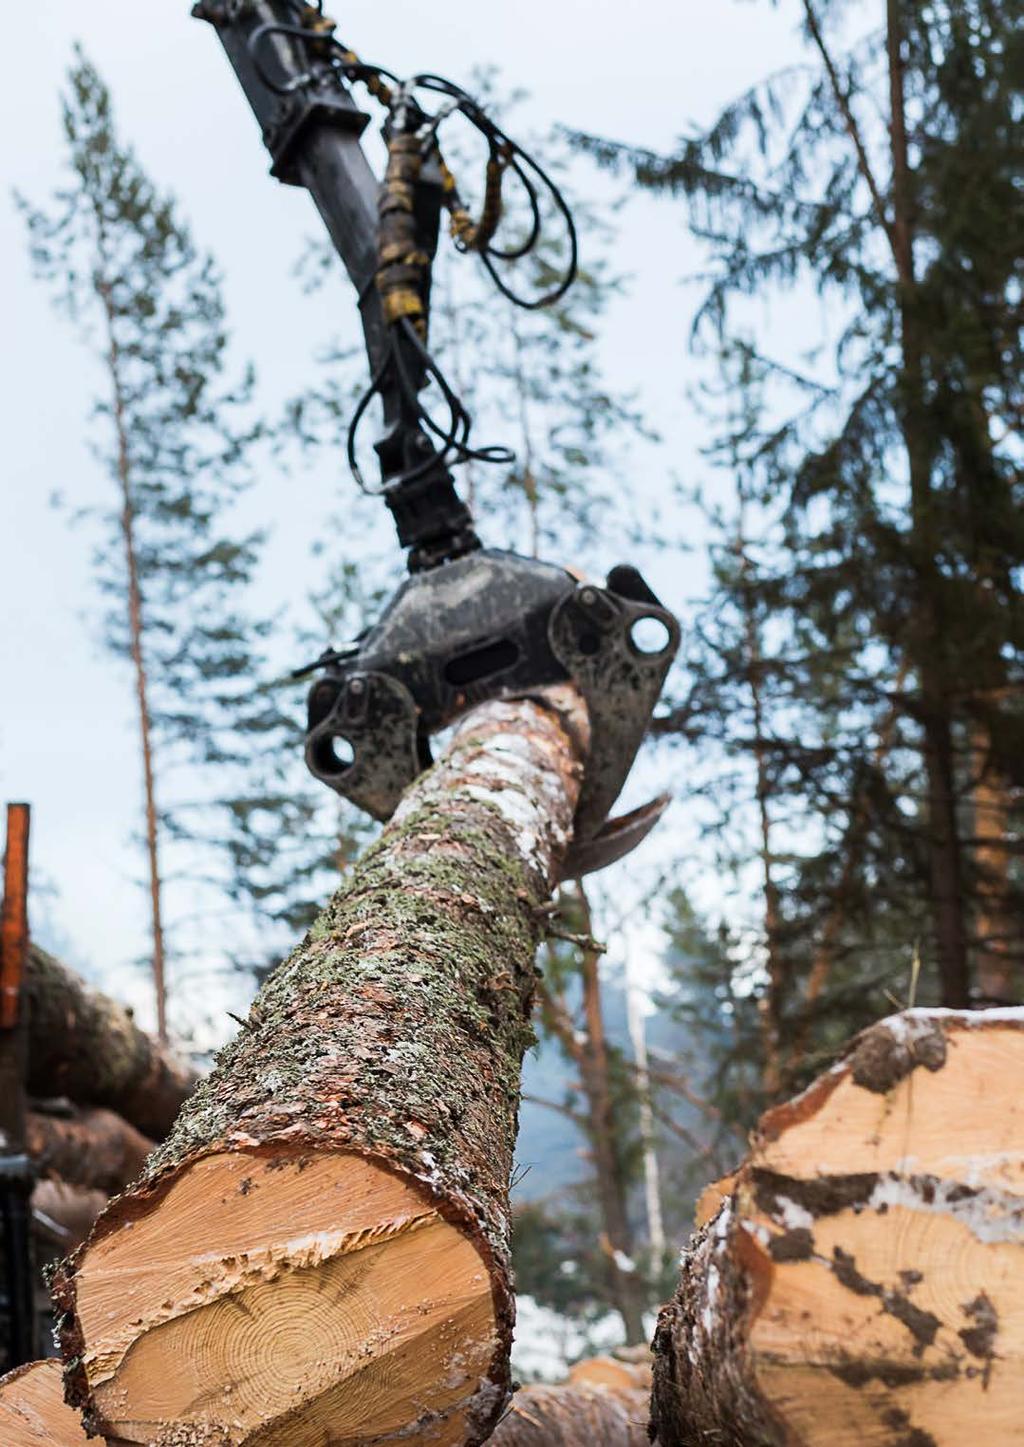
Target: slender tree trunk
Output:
[
  {"x": 321, "y": 1249},
  {"x": 851, "y": 849},
  {"x": 997, "y": 934},
  {"x": 529, "y": 477},
  {"x": 943, "y": 841},
  {"x": 771, "y": 1001},
  {"x": 595, "y": 1071},
  {"x": 652, "y": 1179},
  {"x": 137, "y": 650},
  {"x": 588, "y": 1050}
]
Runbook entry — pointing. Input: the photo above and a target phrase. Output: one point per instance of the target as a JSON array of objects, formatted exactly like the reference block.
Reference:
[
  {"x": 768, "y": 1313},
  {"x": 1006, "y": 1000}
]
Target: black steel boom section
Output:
[{"x": 311, "y": 126}]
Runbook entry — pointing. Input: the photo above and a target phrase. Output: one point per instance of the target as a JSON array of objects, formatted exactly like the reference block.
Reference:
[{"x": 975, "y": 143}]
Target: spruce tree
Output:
[
  {"x": 879, "y": 179},
  {"x": 173, "y": 430}
]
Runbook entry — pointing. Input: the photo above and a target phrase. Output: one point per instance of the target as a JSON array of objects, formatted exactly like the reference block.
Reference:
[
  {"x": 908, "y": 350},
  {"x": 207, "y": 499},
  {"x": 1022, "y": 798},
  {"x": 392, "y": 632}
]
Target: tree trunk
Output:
[
  {"x": 92, "y": 1148},
  {"x": 32, "y": 1410},
  {"x": 137, "y": 651},
  {"x": 320, "y": 1250},
  {"x": 595, "y": 1072},
  {"x": 85, "y": 1045},
  {"x": 861, "y": 1284},
  {"x": 942, "y": 838},
  {"x": 998, "y": 937}
]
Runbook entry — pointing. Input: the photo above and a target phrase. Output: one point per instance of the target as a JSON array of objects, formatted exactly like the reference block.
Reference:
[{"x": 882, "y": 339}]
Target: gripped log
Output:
[
  {"x": 32, "y": 1409},
  {"x": 86, "y": 1046},
  {"x": 862, "y": 1284},
  {"x": 319, "y": 1253}
]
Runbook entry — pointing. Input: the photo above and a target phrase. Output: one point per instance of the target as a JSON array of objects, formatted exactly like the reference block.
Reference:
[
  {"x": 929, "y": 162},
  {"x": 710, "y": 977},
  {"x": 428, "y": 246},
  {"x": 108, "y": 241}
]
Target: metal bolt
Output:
[
  {"x": 588, "y": 597},
  {"x": 356, "y": 685}
]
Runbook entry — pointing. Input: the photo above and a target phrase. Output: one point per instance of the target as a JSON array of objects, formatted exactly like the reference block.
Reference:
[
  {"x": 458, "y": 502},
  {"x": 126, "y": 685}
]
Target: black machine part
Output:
[
  {"x": 469, "y": 624},
  {"x": 494, "y": 625}
]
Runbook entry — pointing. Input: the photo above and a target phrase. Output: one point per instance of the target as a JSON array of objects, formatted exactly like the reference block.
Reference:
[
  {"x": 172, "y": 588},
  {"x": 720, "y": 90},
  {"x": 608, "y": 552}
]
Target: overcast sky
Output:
[{"x": 643, "y": 73}]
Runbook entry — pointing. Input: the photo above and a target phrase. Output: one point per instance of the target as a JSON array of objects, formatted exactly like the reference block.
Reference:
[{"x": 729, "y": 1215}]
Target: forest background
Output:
[{"x": 821, "y": 481}]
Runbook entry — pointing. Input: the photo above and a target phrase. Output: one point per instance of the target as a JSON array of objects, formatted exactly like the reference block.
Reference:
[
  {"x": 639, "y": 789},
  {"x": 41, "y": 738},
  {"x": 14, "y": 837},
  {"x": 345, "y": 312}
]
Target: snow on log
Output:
[
  {"x": 320, "y": 1250},
  {"x": 863, "y": 1283},
  {"x": 32, "y": 1409},
  {"x": 95, "y": 1149},
  {"x": 86, "y": 1046}
]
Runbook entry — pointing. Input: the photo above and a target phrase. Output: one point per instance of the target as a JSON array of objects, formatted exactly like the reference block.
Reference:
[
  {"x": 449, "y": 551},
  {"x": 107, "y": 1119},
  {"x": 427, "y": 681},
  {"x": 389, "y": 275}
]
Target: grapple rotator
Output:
[{"x": 470, "y": 623}]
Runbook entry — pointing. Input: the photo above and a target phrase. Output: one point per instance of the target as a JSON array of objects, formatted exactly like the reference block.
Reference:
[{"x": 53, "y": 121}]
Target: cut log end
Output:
[
  {"x": 576, "y": 1414},
  {"x": 861, "y": 1285},
  {"x": 216, "y": 1316},
  {"x": 33, "y": 1412}
]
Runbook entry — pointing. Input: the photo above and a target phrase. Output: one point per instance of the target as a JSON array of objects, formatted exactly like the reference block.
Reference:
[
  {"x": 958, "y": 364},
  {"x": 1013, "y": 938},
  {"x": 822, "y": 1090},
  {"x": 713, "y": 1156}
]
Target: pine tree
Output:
[
  {"x": 879, "y": 177},
  {"x": 173, "y": 432}
]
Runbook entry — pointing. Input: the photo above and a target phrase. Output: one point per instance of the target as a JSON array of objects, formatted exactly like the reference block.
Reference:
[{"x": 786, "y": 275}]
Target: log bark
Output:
[
  {"x": 85, "y": 1045},
  {"x": 32, "y": 1409},
  {"x": 861, "y": 1284},
  {"x": 95, "y": 1149},
  {"x": 320, "y": 1250}
]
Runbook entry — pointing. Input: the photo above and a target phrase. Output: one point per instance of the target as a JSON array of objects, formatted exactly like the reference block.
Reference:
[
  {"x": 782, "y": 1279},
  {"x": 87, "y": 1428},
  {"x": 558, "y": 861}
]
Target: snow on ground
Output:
[{"x": 547, "y": 1344}]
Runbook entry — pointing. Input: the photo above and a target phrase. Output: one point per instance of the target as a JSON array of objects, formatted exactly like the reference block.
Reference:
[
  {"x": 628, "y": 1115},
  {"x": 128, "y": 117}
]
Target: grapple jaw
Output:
[{"x": 496, "y": 625}]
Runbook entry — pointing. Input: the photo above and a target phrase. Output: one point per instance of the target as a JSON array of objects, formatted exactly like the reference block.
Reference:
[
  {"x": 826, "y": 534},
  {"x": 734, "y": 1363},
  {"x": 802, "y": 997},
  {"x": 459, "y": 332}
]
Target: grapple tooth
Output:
[{"x": 614, "y": 840}]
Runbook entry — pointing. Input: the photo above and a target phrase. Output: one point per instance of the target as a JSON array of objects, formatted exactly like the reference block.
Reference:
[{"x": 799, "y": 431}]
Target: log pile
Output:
[
  {"x": 86, "y": 1046},
  {"x": 860, "y": 1284},
  {"x": 605, "y": 1403},
  {"x": 321, "y": 1246}
]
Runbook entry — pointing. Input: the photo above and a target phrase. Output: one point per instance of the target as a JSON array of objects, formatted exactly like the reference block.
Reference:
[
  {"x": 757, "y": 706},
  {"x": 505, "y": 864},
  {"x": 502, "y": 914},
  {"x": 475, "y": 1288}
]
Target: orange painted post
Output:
[
  {"x": 14, "y": 916},
  {"x": 16, "y": 1263}
]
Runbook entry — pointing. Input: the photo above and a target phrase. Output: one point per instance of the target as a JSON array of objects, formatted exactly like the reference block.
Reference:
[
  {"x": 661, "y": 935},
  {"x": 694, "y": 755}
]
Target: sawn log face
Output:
[{"x": 862, "y": 1284}]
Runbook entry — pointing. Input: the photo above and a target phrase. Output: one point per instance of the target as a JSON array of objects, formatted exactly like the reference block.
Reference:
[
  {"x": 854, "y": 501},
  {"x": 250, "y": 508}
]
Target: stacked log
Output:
[
  {"x": 84, "y": 1045},
  {"x": 320, "y": 1249},
  {"x": 862, "y": 1282},
  {"x": 576, "y": 1414},
  {"x": 94, "y": 1149},
  {"x": 32, "y": 1409},
  {"x": 604, "y": 1404}
]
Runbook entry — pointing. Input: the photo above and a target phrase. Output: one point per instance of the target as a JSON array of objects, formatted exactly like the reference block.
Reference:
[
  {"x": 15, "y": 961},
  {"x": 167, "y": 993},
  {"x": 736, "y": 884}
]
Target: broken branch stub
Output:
[
  {"x": 320, "y": 1250},
  {"x": 862, "y": 1283}
]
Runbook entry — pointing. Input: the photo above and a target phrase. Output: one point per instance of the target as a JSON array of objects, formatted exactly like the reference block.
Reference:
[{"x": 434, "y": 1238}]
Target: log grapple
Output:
[{"x": 470, "y": 623}]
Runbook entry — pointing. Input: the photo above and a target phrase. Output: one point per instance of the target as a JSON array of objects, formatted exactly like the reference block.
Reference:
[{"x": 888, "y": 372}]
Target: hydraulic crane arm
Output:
[
  {"x": 311, "y": 126},
  {"x": 471, "y": 623}
]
